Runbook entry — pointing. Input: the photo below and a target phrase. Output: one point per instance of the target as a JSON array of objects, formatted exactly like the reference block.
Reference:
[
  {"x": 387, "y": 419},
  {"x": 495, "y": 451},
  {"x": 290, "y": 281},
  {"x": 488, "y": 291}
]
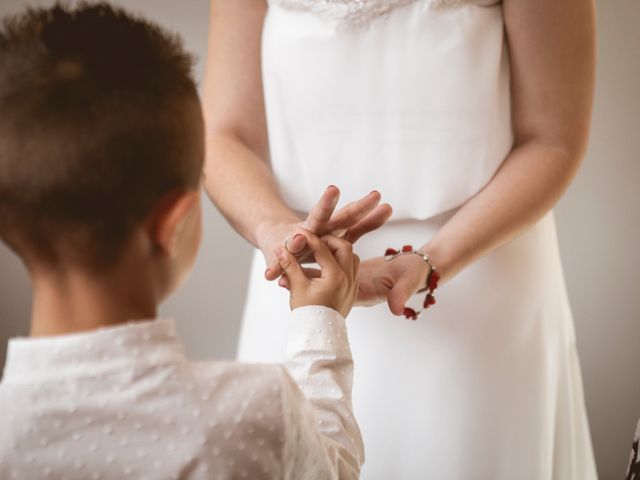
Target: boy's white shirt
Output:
[{"x": 124, "y": 402}]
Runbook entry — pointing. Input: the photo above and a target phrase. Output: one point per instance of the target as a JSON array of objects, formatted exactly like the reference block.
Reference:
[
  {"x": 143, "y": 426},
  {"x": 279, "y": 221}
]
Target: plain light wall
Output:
[{"x": 598, "y": 223}]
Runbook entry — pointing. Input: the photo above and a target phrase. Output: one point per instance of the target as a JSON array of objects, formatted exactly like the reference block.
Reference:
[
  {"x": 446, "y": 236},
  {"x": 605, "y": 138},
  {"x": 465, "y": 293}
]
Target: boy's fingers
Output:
[
  {"x": 311, "y": 272},
  {"x": 308, "y": 272},
  {"x": 320, "y": 214},
  {"x": 322, "y": 254},
  {"x": 356, "y": 265},
  {"x": 342, "y": 251},
  {"x": 291, "y": 268}
]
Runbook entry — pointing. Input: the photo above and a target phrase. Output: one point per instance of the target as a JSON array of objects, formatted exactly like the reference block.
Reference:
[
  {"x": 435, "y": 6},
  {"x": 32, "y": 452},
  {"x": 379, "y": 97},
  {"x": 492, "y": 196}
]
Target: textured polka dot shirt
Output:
[{"x": 124, "y": 402}]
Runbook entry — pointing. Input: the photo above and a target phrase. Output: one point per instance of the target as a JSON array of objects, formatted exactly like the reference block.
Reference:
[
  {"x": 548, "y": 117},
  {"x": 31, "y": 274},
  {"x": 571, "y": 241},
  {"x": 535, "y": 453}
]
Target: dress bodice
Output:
[
  {"x": 415, "y": 103},
  {"x": 360, "y": 13}
]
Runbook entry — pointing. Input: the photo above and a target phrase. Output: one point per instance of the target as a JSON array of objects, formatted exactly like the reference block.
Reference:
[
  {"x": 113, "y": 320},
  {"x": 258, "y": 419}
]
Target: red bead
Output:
[
  {"x": 390, "y": 251},
  {"x": 410, "y": 313},
  {"x": 428, "y": 301},
  {"x": 407, "y": 248},
  {"x": 433, "y": 280}
]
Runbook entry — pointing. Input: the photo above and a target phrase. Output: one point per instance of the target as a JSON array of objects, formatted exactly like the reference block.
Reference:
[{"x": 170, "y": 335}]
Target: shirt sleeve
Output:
[{"x": 322, "y": 437}]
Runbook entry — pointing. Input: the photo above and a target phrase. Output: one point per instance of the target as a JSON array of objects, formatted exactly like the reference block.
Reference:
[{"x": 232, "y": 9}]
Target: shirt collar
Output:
[{"x": 108, "y": 350}]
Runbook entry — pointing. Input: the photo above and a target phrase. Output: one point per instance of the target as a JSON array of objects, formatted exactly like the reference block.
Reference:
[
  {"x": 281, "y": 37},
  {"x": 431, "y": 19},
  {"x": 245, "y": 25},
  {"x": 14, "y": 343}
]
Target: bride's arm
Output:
[
  {"x": 552, "y": 51},
  {"x": 238, "y": 178}
]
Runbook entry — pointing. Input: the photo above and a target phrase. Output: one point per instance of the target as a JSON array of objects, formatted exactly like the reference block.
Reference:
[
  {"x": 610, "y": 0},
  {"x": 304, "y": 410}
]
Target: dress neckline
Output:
[{"x": 360, "y": 14}]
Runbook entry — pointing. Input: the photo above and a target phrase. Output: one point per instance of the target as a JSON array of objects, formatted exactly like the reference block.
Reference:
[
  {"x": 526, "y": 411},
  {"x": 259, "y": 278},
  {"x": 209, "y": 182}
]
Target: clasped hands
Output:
[{"x": 377, "y": 280}]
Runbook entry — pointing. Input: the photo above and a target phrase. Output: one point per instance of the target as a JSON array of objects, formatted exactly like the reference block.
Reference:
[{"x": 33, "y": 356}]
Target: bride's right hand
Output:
[{"x": 349, "y": 223}]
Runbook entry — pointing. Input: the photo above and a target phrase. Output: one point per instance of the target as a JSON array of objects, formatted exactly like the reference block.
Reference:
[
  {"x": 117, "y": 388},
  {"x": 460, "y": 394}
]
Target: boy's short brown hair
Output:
[{"x": 99, "y": 119}]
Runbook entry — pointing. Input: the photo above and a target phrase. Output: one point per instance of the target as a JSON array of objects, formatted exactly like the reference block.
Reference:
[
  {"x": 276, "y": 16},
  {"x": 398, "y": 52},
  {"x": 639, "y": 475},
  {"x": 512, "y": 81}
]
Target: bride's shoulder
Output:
[{"x": 359, "y": 13}]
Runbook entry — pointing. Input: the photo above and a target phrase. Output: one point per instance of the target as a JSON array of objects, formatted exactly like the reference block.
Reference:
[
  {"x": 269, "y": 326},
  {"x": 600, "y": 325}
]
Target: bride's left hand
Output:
[{"x": 394, "y": 282}]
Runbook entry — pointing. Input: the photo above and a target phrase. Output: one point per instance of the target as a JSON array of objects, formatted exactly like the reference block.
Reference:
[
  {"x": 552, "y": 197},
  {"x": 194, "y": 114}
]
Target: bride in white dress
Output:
[{"x": 471, "y": 117}]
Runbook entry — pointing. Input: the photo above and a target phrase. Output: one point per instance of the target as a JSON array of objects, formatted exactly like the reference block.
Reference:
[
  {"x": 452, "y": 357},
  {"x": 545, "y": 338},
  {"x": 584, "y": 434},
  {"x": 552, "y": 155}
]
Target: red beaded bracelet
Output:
[{"x": 430, "y": 285}]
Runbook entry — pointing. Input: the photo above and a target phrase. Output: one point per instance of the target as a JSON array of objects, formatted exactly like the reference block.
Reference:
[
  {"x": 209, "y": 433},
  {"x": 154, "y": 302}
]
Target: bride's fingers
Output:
[
  {"x": 353, "y": 212},
  {"x": 399, "y": 295},
  {"x": 371, "y": 222},
  {"x": 296, "y": 244},
  {"x": 321, "y": 213},
  {"x": 273, "y": 270},
  {"x": 368, "y": 294}
]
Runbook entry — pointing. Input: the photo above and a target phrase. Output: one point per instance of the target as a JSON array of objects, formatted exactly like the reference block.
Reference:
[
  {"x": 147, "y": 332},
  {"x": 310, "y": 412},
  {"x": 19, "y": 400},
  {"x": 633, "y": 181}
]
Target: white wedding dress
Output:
[{"x": 411, "y": 97}]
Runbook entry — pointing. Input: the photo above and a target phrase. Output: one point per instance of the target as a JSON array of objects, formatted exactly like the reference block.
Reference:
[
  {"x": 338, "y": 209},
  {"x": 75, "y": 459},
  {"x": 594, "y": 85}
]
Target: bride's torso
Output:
[{"x": 410, "y": 97}]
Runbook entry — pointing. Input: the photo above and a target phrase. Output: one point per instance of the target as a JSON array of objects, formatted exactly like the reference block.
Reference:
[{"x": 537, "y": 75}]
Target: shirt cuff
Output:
[{"x": 318, "y": 328}]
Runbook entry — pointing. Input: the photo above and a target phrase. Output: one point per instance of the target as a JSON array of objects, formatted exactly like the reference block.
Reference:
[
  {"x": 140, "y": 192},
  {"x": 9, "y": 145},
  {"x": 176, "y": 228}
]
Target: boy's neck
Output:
[{"x": 77, "y": 301}]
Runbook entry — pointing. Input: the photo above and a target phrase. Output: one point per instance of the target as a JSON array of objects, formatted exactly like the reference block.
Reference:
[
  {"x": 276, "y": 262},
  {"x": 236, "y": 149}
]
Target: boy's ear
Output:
[{"x": 167, "y": 218}]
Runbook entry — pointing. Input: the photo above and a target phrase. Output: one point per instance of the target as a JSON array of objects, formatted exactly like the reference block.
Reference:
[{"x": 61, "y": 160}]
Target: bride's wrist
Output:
[
  {"x": 427, "y": 280},
  {"x": 438, "y": 258}
]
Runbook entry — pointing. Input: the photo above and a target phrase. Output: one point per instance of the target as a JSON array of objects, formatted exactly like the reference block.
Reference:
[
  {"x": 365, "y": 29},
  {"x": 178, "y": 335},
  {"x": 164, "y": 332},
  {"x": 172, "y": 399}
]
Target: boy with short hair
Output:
[{"x": 101, "y": 152}]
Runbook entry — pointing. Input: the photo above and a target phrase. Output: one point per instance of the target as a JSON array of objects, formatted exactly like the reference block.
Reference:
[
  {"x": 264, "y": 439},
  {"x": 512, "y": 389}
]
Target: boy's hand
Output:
[
  {"x": 334, "y": 286},
  {"x": 350, "y": 222}
]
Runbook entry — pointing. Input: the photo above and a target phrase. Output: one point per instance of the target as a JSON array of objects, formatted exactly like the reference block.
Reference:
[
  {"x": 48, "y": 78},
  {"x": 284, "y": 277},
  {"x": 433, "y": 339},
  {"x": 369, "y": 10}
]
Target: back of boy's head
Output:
[{"x": 99, "y": 120}]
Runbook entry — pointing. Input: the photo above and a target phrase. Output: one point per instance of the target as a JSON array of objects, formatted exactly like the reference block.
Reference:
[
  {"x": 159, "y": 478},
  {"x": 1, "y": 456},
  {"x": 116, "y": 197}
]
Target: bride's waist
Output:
[{"x": 397, "y": 233}]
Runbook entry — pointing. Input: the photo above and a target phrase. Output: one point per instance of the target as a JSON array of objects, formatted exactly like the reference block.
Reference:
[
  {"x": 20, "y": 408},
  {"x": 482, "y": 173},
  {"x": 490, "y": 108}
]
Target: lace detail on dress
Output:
[{"x": 360, "y": 13}]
